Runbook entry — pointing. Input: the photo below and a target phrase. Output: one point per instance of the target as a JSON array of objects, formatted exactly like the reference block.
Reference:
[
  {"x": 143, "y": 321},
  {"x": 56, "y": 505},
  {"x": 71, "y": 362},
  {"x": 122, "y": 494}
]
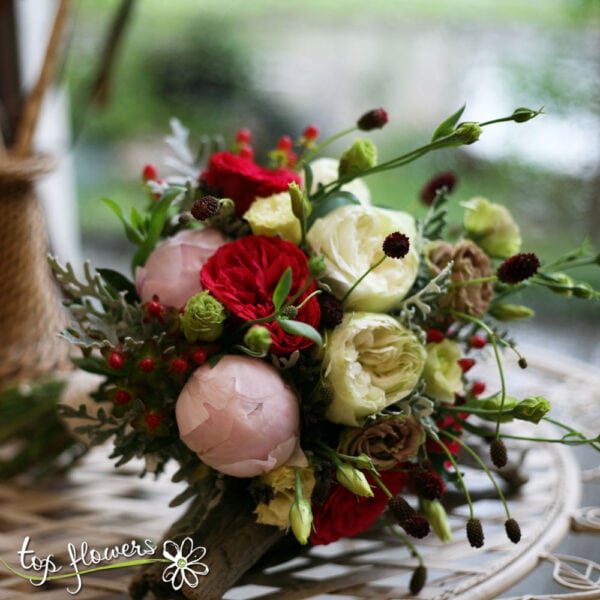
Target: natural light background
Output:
[{"x": 276, "y": 67}]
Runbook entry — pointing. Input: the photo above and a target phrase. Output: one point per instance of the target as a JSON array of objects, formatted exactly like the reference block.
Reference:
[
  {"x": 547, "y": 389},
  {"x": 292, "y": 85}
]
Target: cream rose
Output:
[
  {"x": 442, "y": 373},
  {"x": 273, "y": 216},
  {"x": 325, "y": 170},
  {"x": 350, "y": 239},
  {"x": 371, "y": 361}
]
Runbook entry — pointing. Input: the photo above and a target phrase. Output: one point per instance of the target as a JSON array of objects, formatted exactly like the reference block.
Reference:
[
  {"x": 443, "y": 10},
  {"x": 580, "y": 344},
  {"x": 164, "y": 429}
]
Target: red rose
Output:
[
  {"x": 231, "y": 176},
  {"x": 343, "y": 514},
  {"x": 243, "y": 275}
]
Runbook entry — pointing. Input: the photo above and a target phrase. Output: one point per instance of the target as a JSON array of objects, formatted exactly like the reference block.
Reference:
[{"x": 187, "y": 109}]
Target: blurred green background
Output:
[{"x": 276, "y": 67}]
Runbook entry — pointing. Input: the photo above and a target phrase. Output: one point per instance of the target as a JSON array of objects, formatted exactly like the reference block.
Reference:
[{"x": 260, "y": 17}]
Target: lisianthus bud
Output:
[
  {"x": 510, "y": 312},
  {"x": 475, "y": 533},
  {"x": 301, "y": 519},
  {"x": 435, "y": 513},
  {"x": 583, "y": 290},
  {"x": 495, "y": 402},
  {"x": 373, "y": 119},
  {"x": 354, "y": 480},
  {"x": 518, "y": 268},
  {"x": 564, "y": 284},
  {"x": 202, "y": 319},
  {"x": 531, "y": 409},
  {"x": 362, "y": 155},
  {"x": 520, "y": 115},
  {"x": 468, "y": 133},
  {"x": 492, "y": 227},
  {"x": 258, "y": 339}
]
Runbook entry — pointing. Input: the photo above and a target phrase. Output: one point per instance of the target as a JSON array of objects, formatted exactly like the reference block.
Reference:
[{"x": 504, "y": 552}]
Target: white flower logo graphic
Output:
[{"x": 186, "y": 565}]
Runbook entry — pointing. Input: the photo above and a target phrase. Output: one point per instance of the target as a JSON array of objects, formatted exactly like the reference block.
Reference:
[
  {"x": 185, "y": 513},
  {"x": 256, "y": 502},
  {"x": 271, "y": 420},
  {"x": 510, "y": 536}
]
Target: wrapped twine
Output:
[{"x": 30, "y": 311}]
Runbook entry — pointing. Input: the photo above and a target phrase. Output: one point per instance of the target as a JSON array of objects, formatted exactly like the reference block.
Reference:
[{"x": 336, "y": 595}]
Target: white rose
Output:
[
  {"x": 350, "y": 239},
  {"x": 325, "y": 170},
  {"x": 371, "y": 361}
]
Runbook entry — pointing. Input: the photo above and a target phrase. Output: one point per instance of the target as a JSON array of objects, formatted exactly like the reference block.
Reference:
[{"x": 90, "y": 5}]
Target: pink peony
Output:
[
  {"x": 240, "y": 417},
  {"x": 172, "y": 271}
]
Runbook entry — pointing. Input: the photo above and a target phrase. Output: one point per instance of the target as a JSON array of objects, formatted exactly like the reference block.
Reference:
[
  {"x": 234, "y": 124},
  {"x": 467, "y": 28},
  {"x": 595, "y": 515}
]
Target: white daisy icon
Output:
[{"x": 186, "y": 565}]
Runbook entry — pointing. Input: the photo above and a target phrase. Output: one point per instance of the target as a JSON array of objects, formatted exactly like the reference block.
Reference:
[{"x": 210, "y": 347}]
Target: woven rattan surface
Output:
[{"x": 105, "y": 507}]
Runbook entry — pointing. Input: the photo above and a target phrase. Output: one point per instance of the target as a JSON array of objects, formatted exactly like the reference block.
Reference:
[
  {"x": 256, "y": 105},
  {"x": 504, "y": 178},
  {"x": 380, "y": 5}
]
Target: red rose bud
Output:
[
  {"x": 435, "y": 336},
  {"x": 311, "y": 133},
  {"x": 122, "y": 397},
  {"x": 518, "y": 268},
  {"x": 396, "y": 245},
  {"x": 478, "y": 388},
  {"x": 475, "y": 533},
  {"x": 478, "y": 341},
  {"x": 513, "y": 531},
  {"x": 246, "y": 153},
  {"x": 429, "y": 191},
  {"x": 243, "y": 136},
  {"x": 498, "y": 453},
  {"x": 466, "y": 364},
  {"x": 179, "y": 365},
  {"x": 374, "y": 119},
  {"x": 149, "y": 172},
  {"x": 146, "y": 365},
  {"x": 116, "y": 360},
  {"x": 285, "y": 143},
  {"x": 426, "y": 483},
  {"x": 205, "y": 208}
]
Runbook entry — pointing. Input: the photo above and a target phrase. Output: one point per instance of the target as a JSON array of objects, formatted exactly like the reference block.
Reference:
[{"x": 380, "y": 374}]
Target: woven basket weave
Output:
[{"x": 30, "y": 310}]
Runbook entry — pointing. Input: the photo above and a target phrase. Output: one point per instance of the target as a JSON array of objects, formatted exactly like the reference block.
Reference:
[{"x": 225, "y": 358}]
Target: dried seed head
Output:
[
  {"x": 498, "y": 453},
  {"x": 475, "y": 533},
  {"x": 427, "y": 483},
  {"x": 418, "y": 580},
  {"x": 417, "y": 526},
  {"x": 401, "y": 510},
  {"x": 513, "y": 531}
]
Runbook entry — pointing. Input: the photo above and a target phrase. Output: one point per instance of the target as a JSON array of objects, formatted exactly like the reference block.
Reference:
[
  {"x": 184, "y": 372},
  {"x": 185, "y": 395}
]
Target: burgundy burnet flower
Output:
[
  {"x": 396, "y": 245},
  {"x": 429, "y": 191},
  {"x": 373, "y": 119},
  {"x": 518, "y": 268}
]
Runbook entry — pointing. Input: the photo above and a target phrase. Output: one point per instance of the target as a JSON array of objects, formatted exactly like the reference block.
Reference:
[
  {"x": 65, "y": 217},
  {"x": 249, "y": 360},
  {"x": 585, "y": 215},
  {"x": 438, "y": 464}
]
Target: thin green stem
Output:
[
  {"x": 482, "y": 465},
  {"x": 310, "y": 155},
  {"x": 571, "y": 430},
  {"x": 458, "y": 284},
  {"x": 381, "y": 484},
  {"x": 357, "y": 282},
  {"x": 410, "y": 545}
]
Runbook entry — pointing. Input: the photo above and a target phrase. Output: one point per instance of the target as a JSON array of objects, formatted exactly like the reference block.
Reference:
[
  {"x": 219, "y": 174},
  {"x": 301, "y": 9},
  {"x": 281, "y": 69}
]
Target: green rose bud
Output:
[
  {"x": 532, "y": 409},
  {"x": 435, "y": 513},
  {"x": 468, "y": 133},
  {"x": 492, "y": 227},
  {"x": 511, "y": 312},
  {"x": 362, "y": 155},
  {"x": 202, "y": 319},
  {"x": 258, "y": 339},
  {"x": 301, "y": 519},
  {"x": 354, "y": 480},
  {"x": 301, "y": 206}
]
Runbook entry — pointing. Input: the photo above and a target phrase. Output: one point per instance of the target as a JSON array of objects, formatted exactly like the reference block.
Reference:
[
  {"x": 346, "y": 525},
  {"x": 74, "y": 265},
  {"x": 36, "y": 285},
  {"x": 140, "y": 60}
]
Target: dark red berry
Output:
[
  {"x": 435, "y": 336},
  {"x": 146, "y": 364},
  {"x": 243, "y": 136},
  {"x": 179, "y": 365},
  {"x": 478, "y": 388},
  {"x": 149, "y": 172},
  {"x": 466, "y": 364},
  {"x": 478, "y": 341},
  {"x": 285, "y": 143},
  {"x": 311, "y": 133},
  {"x": 199, "y": 356},
  {"x": 152, "y": 420},
  {"x": 247, "y": 153},
  {"x": 116, "y": 360},
  {"x": 122, "y": 397}
]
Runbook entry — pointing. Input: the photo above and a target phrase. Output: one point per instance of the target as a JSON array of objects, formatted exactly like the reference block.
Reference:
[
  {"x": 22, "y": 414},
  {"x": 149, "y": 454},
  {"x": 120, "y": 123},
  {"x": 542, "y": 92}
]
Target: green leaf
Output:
[
  {"x": 136, "y": 219},
  {"x": 120, "y": 283},
  {"x": 133, "y": 235},
  {"x": 447, "y": 127},
  {"x": 299, "y": 328},
  {"x": 93, "y": 365},
  {"x": 308, "y": 177},
  {"x": 282, "y": 290},
  {"x": 330, "y": 203}
]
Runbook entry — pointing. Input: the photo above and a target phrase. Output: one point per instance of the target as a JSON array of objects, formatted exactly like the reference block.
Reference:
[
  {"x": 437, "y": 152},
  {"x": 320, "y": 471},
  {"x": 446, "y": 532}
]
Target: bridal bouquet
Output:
[{"x": 303, "y": 354}]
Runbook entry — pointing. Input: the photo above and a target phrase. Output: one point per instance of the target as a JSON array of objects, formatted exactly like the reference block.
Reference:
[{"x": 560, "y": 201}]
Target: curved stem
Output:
[{"x": 357, "y": 282}]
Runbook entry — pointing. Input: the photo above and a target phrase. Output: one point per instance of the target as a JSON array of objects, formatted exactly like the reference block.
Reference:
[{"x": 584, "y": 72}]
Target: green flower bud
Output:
[
  {"x": 583, "y": 290},
  {"x": 258, "y": 339},
  {"x": 364, "y": 462},
  {"x": 316, "y": 266},
  {"x": 564, "y": 283},
  {"x": 435, "y": 513},
  {"x": 202, "y": 319},
  {"x": 468, "y": 133},
  {"x": 362, "y": 155},
  {"x": 494, "y": 403},
  {"x": 354, "y": 480},
  {"x": 511, "y": 312},
  {"x": 532, "y": 409},
  {"x": 301, "y": 206},
  {"x": 520, "y": 115},
  {"x": 226, "y": 207},
  {"x": 301, "y": 519}
]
